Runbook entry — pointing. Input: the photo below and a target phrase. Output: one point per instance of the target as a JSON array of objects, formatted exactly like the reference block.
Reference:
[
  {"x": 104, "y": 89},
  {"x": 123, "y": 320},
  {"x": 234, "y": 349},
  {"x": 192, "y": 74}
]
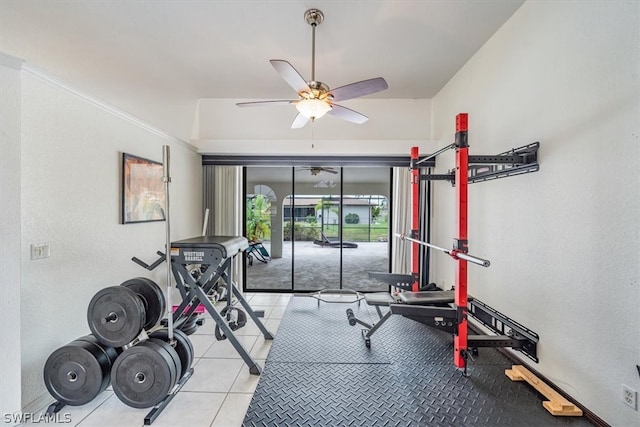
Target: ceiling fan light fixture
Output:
[
  {"x": 315, "y": 99},
  {"x": 313, "y": 108}
]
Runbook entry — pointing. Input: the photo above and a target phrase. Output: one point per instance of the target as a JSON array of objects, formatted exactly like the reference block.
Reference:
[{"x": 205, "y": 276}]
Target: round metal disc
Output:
[
  {"x": 183, "y": 347},
  {"x": 144, "y": 374},
  {"x": 76, "y": 373},
  {"x": 153, "y": 299},
  {"x": 116, "y": 316}
]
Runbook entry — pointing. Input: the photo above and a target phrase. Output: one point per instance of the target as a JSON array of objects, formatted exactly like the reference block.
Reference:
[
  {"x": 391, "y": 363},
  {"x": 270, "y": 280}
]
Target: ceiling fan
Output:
[
  {"x": 315, "y": 170},
  {"x": 315, "y": 99}
]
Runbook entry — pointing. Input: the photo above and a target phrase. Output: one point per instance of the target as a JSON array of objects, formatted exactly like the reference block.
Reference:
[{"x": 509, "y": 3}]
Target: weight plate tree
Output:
[{"x": 77, "y": 372}]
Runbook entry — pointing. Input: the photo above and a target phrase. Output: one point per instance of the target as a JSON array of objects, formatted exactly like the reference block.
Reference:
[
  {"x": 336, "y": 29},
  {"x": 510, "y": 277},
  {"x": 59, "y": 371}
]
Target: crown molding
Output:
[
  {"x": 105, "y": 106},
  {"x": 11, "y": 61}
]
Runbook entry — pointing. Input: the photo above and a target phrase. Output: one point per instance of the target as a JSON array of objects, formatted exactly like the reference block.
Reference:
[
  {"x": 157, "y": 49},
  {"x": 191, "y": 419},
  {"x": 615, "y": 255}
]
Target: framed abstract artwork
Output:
[{"x": 143, "y": 195}]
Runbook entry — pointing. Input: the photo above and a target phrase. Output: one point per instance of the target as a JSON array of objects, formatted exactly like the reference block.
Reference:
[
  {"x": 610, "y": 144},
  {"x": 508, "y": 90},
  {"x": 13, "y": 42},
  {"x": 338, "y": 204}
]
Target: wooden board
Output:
[{"x": 557, "y": 404}]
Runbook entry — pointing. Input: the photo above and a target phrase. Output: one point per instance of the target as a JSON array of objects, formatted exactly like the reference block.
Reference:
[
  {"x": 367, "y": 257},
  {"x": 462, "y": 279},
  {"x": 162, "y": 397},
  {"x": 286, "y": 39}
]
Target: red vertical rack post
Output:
[
  {"x": 415, "y": 218},
  {"x": 461, "y": 244}
]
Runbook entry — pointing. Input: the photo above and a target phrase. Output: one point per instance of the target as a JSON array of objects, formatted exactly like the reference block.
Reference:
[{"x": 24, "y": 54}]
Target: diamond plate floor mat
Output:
[
  {"x": 320, "y": 333},
  {"x": 419, "y": 386}
]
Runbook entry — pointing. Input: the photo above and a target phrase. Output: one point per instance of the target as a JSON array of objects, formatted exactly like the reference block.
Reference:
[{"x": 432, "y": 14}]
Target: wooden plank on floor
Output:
[{"x": 557, "y": 404}]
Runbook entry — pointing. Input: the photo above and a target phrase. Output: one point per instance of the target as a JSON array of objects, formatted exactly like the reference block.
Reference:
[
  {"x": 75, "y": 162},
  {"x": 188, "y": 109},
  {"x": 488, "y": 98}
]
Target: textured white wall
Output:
[
  {"x": 10, "y": 233},
  {"x": 71, "y": 166},
  {"x": 395, "y": 125},
  {"x": 563, "y": 242}
]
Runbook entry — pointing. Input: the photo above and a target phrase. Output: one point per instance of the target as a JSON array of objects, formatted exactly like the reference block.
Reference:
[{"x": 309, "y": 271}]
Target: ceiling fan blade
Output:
[
  {"x": 333, "y": 171},
  {"x": 347, "y": 114},
  {"x": 299, "y": 121},
  {"x": 266, "y": 103},
  {"x": 355, "y": 90},
  {"x": 290, "y": 75}
]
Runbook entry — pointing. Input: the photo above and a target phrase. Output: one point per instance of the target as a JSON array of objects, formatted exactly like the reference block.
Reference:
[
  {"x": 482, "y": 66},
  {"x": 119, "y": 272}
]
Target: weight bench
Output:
[{"x": 428, "y": 307}]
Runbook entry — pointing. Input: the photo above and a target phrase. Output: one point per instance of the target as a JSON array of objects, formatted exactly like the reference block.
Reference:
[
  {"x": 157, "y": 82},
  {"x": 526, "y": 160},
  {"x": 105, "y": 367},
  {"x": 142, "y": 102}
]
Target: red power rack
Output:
[{"x": 468, "y": 169}]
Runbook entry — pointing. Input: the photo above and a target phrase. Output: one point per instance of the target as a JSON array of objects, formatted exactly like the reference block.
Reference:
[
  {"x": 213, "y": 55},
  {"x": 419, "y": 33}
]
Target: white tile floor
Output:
[{"x": 220, "y": 390}]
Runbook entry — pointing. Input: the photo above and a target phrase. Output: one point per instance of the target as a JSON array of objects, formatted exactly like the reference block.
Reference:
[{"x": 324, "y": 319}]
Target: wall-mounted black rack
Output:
[
  {"x": 516, "y": 161},
  {"x": 510, "y": 333}
]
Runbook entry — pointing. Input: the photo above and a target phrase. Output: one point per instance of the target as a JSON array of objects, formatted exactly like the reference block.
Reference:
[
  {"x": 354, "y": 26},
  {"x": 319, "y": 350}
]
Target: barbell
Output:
[{"x": 456, "y": 254}]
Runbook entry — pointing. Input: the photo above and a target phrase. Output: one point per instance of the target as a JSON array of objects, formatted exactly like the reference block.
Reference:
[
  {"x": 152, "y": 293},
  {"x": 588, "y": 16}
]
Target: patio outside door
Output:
[
  {"x": 317, "y": 207},
  {"x": 327, "y": 227}
]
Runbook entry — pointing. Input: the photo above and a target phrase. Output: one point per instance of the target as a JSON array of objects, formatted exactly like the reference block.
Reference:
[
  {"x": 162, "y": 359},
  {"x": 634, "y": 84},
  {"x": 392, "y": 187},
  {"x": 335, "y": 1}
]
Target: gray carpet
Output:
[
  {"x": 318, "y": 374},
  {"x": 317, "y": 267}
]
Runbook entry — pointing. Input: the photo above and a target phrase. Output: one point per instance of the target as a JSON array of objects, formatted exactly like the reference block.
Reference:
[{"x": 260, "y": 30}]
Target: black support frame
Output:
[{"x": 196, "y": 292}]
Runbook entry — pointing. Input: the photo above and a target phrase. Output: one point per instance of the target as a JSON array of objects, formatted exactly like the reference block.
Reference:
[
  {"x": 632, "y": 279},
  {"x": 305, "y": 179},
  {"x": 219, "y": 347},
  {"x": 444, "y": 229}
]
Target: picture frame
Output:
[{"x": 143, "y": 192}]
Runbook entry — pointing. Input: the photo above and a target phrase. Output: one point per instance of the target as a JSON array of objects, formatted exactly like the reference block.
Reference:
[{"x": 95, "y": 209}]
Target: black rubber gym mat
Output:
[
  {"x": 321, "y": 336},
  {"x": 419, "y": 386}
]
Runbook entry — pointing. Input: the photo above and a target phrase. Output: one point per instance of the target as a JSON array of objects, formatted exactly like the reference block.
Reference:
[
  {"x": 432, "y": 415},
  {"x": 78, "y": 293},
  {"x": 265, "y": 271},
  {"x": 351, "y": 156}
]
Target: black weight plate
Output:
[
  {"x": 111, "y": 352},
  {"x": 173, "y": 354},
  {"x": 153, "y": 299},
  {"x": 189, "y": 329},
  {"x": 170, "y": 353},
  {"x": 105, "y": 354},
  {"x": 75, "y": 374},
  {"x": 144, "y": 374},
  {"x": 183, "y": 347},
  {"x": 190, "y": 326},
  {"x": 116, "y": 316}
]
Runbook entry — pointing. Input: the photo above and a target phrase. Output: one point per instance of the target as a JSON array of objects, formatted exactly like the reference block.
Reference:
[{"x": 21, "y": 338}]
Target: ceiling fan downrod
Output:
[{"x": 313, "y": 17}]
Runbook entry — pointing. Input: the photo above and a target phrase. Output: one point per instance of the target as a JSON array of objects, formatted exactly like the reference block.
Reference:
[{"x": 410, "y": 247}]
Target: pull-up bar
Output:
[
  {"x": 455, "y": 254},
  {"x": 432, "y": 155}
]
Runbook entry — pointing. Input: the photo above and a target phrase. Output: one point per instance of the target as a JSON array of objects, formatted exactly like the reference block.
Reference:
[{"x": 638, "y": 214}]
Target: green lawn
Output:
[{"x": 358, "y": 232}]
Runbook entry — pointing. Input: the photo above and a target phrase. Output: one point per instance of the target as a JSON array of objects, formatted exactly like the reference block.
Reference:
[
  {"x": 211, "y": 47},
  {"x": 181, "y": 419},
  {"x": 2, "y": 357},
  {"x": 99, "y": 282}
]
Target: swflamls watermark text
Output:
[{"x": 33, "y": 418}]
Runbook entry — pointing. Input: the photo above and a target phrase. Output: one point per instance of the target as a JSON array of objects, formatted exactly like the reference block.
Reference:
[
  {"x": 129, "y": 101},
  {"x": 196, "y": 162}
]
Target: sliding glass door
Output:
[
  {"x": 317, "y": 204},
  {"x": 322, "y": 227},
  {"x": 269, "y": 260},
  {"x": 365, "y": 228}
]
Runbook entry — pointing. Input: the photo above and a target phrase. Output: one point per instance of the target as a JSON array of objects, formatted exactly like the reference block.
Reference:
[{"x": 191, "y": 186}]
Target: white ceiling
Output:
[{"x": 156, "y": 59}]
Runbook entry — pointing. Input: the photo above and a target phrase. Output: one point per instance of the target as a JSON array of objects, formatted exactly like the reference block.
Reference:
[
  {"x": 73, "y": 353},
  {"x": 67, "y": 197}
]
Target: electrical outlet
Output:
[{"x": 629, "y": 396}]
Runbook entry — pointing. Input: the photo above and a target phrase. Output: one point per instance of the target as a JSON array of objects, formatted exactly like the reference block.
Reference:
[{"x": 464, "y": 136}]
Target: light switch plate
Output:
[{"x": 40, "y": 250}]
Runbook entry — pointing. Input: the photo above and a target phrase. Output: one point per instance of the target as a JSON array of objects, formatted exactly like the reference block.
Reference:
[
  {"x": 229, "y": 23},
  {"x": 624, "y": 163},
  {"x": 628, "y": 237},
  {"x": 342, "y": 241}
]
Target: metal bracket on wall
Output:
[
  {"x": 517, "y": 161},
  {"x": 523, "y": 339}
]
